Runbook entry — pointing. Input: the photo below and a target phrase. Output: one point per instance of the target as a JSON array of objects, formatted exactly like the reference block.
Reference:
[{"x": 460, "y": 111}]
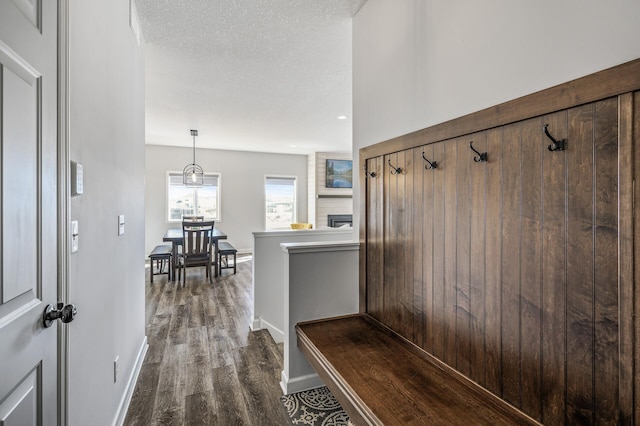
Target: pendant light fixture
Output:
[{"x": 193, "y": 175}]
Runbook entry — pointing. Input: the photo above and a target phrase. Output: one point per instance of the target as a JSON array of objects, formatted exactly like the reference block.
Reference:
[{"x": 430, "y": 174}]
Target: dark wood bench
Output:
[
  {"x": 161, "y": 256},
  {"x": 380, "y": 378},
  {"x": 226, "y": 249}
]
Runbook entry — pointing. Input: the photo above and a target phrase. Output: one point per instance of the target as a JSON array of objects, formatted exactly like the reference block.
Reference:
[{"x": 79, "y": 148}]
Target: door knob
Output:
[{"x": 65, "y": 313}]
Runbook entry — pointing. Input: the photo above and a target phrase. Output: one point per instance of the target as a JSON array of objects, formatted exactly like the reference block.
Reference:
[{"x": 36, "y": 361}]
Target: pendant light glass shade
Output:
[{"x": 193, "y": 175}]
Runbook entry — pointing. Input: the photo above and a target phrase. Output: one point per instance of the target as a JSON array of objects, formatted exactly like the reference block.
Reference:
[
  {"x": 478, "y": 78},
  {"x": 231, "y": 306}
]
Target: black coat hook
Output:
[
  {"x": 481, "y": 156},
  {"x": 394, "y": 170},
  {"x": 369, "y": 174},
  {"x": 556, "y": 145},
  {"x": 431, "y": 165}
]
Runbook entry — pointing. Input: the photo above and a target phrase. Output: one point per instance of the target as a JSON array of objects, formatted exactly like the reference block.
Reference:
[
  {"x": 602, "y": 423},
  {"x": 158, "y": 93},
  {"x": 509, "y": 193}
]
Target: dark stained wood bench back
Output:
[{"x": 516, "y": 272}]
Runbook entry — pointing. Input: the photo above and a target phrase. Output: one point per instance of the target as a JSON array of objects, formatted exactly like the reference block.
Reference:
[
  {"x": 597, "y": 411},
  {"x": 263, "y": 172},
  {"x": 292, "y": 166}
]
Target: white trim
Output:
[
  {"x": 10, "y": 59},
  {"x": 134, "y": 21},
  {"x": 123, "y": 407},
  {"x": 260, "y": 324},
  {"x": 299, "y": 384},
  {"x": 318, "y": 247},
  {"x": 64, "y": 205},
  {"x": 290, "y": 232},
  {"x": 256, "y": 324}
]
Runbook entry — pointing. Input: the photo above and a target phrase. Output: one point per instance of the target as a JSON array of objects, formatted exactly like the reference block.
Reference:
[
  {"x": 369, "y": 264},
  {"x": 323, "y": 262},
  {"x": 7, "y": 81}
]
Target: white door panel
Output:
[
  {"x": 19, "y": 184},
  {"x": 20, "y": 407},
  {"x": 31, "y": 10},
  {"x": 28, "y": 211}
]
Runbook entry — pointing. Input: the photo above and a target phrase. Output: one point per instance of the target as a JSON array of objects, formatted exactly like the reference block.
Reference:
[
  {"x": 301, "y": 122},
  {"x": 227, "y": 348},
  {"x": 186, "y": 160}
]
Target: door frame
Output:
[{"x": 64, "y": 206}]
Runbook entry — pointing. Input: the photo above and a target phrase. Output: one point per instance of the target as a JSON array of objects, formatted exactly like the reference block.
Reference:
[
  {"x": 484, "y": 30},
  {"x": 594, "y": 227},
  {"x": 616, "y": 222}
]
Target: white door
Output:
[{"x": 28, "y": 223}]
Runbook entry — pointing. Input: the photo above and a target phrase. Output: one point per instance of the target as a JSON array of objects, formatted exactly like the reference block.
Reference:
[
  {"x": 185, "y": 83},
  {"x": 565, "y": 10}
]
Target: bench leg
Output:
[
  {"x": 151, "y": 271},
  {"x": 234, "y": 263}
]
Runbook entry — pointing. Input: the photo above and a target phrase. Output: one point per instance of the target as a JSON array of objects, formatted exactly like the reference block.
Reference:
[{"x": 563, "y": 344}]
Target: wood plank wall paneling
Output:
[
  {"x": 532, "y": 150},
  {"x": 417, "y": 236},
  {"x": 508, "y": 270},
  {"x": 438, "y": 262},
  {"x": 580, "y": 266},
  {"x": 390, "y": 218},
  {"x": 605, "y": 292},
  {"x": 450, "y": 267},
  {"x": 554, "y": 236},
  {"x": 428, "y": 211},
  {"x": 375, "y": 230},
  {"x": 477, "y": 260},
  {"x": 511, "y": 243},
  {"x": 493, "y": 263},
  {"x": 407, "y": 240},
  {"x": 463, "y": 260}
]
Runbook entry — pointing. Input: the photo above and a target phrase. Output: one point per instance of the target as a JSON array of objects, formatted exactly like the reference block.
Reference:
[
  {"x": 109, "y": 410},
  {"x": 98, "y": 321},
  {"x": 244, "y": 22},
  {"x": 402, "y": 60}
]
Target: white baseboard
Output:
[
  {"x": 256, "y": 325},
  {"x": 260, "y": 324},
  {"x": 299, "y": 384},
  {"x": 131, "y": 384}
]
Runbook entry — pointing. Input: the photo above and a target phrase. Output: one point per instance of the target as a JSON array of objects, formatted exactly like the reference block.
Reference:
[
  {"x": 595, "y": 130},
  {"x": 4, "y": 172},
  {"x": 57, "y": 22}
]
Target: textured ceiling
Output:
[{"x": 250, "y": 75}]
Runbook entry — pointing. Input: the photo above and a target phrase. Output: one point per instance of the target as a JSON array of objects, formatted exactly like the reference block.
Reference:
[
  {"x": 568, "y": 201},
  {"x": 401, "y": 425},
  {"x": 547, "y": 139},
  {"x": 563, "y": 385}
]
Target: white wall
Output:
[
  {"x": 417, "y": 63},
  {"x": 106, "y": 275},
  {"x": 242, "y": 188}
]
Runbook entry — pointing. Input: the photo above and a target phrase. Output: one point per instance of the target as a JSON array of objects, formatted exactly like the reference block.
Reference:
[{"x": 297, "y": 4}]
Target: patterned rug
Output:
[{"x": 315, "y": 407}]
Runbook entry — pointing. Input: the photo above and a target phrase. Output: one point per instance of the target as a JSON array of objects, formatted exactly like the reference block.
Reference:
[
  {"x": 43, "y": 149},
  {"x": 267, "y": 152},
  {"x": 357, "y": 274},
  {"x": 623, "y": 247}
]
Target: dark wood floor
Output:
[{"x": 204, "y": 366}]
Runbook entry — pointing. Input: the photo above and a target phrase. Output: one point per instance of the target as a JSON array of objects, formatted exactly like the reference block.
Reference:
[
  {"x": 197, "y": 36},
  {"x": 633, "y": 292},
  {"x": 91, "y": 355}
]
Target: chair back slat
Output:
[
  {"x": 196, "y": 237},
  {"x": 192, "y": 218}
]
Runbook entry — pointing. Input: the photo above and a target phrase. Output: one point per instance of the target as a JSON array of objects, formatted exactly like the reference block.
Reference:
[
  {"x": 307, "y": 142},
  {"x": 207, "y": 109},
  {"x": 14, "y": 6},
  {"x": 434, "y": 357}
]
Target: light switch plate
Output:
[
  {"x": 74, "y": 236},
  {"x": 77, "y": 179},
  {"x": 120, "y": 224}
]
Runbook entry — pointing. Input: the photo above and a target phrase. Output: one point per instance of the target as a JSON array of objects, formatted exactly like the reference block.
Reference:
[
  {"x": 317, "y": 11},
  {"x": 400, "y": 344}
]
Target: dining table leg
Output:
[
  {"x": 216, "y": 265},
  {"x": 174, "y": 258}
]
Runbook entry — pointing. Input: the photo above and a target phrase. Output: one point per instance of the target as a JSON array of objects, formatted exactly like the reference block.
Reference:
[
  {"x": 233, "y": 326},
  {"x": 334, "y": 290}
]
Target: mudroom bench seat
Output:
[{"x": 379, "y": 378}]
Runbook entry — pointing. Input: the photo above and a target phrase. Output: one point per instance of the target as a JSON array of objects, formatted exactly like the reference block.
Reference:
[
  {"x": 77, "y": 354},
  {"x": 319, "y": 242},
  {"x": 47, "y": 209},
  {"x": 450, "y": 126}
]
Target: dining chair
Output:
[{"x": 197, "y": 247}]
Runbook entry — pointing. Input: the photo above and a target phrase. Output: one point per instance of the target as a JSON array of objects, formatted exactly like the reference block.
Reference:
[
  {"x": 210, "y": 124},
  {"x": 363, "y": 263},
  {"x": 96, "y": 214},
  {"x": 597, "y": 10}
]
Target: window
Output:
[
  {"x": 185, "y": 201},
  {"x": 280, "y": 196}
]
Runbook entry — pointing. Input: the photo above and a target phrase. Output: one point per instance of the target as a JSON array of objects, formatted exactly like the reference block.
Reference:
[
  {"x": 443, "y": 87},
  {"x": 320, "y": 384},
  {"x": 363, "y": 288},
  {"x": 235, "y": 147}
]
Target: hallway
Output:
[{"x": 204, "y": 366}]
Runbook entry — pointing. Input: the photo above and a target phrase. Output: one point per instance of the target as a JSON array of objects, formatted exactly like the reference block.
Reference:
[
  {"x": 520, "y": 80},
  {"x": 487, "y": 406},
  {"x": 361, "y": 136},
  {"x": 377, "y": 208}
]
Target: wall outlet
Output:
[{"x": 115, "y": 369}]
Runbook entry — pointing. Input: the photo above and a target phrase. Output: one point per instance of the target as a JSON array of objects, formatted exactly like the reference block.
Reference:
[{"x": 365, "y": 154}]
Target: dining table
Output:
[{"x": 176, "y": 238}]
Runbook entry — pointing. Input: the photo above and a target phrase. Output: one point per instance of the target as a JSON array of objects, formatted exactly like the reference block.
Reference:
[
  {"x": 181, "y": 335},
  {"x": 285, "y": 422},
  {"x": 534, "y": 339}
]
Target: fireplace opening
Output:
[{"x": 338, "y": 220}]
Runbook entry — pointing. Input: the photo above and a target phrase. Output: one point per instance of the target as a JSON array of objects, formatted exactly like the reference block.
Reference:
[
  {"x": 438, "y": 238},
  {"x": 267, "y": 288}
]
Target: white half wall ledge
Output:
[
  {"x": 321, "y": 281},
  {"x": 319, "y": 247},
  {"x": 293, "y": 232}
]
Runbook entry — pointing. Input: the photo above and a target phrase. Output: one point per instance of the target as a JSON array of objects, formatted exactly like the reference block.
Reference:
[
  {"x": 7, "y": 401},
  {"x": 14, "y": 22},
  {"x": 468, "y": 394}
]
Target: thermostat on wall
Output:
[{"x": 76, "y": 179}]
